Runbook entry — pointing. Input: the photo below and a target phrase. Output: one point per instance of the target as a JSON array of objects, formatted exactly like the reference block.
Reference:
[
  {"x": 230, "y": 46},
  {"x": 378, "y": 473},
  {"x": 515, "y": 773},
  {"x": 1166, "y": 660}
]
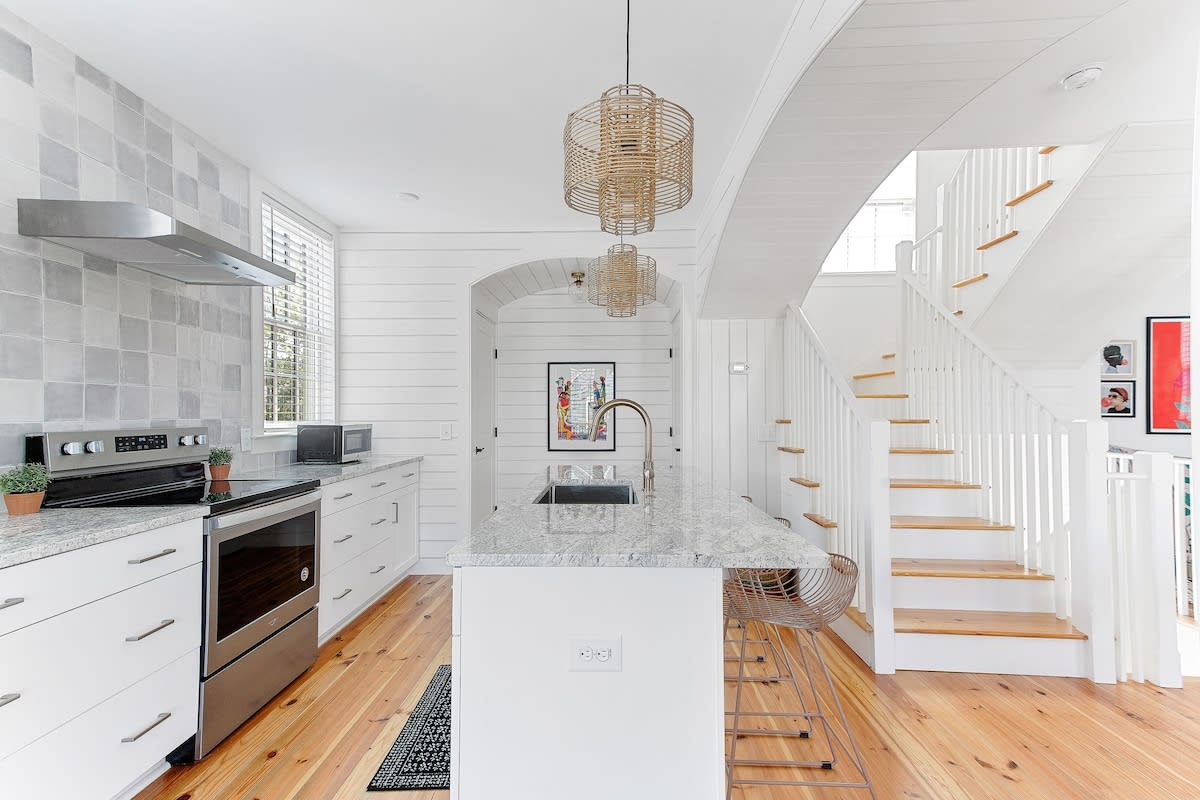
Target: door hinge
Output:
[
  {"x": 495, "y": 433},
  {"x": 670, "y": 352},
  {"x": 671, "y": 432},
  {"x": 496, "y": 353}
]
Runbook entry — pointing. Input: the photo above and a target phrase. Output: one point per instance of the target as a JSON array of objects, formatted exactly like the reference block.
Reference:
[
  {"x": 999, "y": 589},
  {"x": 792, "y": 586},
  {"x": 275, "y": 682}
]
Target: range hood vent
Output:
[{"x": 146, "y": 239}]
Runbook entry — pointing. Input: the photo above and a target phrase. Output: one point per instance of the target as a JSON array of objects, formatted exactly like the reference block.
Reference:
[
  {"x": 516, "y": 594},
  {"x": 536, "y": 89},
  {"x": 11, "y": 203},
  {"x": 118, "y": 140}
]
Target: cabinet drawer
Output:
[
  {"x": 101, "y": 752},
  {"x": 344, "y": 494},
  {"x": 59, "y": 583},
  {"x": 346, "y": 588},
  {"x": 351, "y": 532},
  {"x": 63, "y": 666}
]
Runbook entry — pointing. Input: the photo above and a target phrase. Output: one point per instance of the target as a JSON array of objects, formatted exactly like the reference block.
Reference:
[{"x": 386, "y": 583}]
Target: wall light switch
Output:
[
  {"x": 595, "y": 654},
  {"x": 246, "y": 444},
  {"x": 447, "y": 430}
]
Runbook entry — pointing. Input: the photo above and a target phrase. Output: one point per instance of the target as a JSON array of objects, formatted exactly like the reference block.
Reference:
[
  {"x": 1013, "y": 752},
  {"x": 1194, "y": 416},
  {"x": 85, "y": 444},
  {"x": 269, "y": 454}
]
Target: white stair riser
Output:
[
  {"x": 936, "y": 502},
  {"x": 920, "y": 466},
  {"x": 1008, "y": 655},
  {"x": 972, "y": 594},
  {"x": 794, "y": 501},
  {"x": 986, "y": 545}
]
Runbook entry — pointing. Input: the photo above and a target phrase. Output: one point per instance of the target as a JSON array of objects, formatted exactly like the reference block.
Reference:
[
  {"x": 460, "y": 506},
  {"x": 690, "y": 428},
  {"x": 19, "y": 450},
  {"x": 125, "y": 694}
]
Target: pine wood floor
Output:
[{"x": 925, "y": 736}]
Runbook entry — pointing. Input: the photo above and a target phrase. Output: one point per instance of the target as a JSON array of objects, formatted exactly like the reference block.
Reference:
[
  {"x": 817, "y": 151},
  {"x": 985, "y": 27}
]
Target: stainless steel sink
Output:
[{"x": 593, "y": 494}]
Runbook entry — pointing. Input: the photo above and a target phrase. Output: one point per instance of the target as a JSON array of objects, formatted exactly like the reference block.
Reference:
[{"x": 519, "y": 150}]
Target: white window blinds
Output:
[{"x": 298, "y": 370}]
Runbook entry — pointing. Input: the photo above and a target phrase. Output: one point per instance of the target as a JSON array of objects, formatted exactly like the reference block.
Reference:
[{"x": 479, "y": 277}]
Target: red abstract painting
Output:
[{"x": 1169, "y": 373}]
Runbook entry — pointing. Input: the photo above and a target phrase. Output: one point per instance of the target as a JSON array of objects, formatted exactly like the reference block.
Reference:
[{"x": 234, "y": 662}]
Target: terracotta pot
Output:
[
  {"x": 219, "y": 485},
  {"x": 219, "y": 472},
  {"x": 29, "y": 503}
]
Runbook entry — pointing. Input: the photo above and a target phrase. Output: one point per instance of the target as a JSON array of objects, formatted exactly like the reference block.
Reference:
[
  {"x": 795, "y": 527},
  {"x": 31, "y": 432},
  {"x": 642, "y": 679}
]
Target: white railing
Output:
[
  {"x": 1185, "y": 540},
  {"x": 848, "y": 455},
  {"x": 1007, "y": 441},
  {"x": 1143, "y": 542},
  {"x": 972, "y": 211}
]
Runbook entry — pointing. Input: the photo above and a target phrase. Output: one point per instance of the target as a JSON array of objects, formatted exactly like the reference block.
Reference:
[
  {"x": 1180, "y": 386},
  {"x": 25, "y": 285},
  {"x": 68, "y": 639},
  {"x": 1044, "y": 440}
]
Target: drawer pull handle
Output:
[
  {"x": 344, "y": 496},
  {"x": 166, "y": 623},
  {"x": 377, "y": 485},
  {"x": 343, "y": 594},
  {"x": 5, "y": 699},
  {"x": 378, "y": 569},
  {"x": 396, "y": 508},
  {"x": 12, "y": 601},
  {"x": 379, "y": 521},
  {"x": 345, "y": 538},
  {"x": 408, "y": 475},
  {"x": 166, "y": 552},
  {"x": 163, "y": 717}
]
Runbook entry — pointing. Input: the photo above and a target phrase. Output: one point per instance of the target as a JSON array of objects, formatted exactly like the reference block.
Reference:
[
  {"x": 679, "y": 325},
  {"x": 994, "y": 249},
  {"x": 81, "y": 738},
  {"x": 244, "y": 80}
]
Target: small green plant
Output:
[
  {"x": 25, "y": 479},
  {"x": 220, "y": 455}
]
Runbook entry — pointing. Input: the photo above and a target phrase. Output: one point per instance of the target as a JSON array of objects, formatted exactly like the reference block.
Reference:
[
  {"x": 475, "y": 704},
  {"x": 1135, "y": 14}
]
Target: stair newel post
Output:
[
  {"x": 878, "y": 534},
  {"x": 1091, "y": 548},
  {"x": 1153, "y": 588}
]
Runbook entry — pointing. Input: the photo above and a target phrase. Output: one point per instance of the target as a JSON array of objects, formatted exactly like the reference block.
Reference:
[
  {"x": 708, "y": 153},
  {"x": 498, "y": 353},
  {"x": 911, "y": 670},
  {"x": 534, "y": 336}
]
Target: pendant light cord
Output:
[{"x": 627, "y": 4}]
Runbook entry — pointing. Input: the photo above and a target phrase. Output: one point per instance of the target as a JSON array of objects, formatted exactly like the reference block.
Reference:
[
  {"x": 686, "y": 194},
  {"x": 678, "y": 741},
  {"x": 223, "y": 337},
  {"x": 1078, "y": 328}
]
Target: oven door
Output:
[{"x": 263, "y": 567}]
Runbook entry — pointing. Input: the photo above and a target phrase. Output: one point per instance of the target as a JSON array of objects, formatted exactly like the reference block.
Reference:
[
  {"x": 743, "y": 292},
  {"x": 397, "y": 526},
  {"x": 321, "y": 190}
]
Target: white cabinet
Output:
[
  {"x": 100, "y": 660},
  {"x": 368, "y": 541}
]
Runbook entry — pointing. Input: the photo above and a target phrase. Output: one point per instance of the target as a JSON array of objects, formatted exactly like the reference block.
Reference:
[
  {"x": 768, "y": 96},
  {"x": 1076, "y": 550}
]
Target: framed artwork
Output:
[
  {"x": 1118, "y": 399},
  {"x": 1169, "y": 374},
  {"x": 1116, "y": 359},
  {"x": 574, "y": 390}
]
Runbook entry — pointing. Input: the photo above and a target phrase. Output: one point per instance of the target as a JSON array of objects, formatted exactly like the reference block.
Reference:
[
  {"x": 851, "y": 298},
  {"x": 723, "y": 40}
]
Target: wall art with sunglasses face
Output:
[{"x": 1117, "y": 400}]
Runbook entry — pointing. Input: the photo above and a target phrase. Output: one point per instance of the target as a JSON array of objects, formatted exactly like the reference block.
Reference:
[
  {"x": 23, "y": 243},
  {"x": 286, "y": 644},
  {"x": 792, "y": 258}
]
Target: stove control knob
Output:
[
  {"x": 72, "y": 448},
  {"x": 96, "y": 446},
  {"x": 187, "y": 441},
  {"x": 201, "y": 438}
]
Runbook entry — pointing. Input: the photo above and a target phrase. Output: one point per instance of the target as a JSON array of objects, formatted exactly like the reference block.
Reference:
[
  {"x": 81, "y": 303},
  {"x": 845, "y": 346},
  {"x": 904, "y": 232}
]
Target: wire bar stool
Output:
[
  {"x": 805, "y": 600},
  {"x": 759, "y": 640}
]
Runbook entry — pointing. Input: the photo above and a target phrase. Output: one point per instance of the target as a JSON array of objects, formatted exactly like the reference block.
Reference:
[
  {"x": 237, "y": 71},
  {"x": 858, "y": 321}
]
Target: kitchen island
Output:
[{"x": 587, "y": 641}]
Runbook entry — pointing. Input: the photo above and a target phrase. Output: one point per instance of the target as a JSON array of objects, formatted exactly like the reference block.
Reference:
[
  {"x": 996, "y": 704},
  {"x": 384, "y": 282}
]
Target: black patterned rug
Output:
[{"x": 420, "y": 758}]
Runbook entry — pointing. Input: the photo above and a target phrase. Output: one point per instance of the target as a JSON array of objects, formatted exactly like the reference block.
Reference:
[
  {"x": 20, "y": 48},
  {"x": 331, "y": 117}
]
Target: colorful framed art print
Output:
[
  {"x": 574, "y": 390},
  {"x": 1169, "y": 374}
]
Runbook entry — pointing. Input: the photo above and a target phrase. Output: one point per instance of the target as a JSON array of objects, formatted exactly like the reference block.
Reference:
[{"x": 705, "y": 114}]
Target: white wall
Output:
[
  {"x": 934, "y": 168},
  {"x": 550, "y": 326},
  {"x": 856, "y": 318}
]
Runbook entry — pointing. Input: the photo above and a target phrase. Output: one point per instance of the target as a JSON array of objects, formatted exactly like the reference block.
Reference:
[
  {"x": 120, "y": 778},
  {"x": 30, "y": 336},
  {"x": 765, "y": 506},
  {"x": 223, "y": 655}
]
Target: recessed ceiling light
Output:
[
  {"x": 1077, "y": 79},
  {"x": 408, "y": 197}
]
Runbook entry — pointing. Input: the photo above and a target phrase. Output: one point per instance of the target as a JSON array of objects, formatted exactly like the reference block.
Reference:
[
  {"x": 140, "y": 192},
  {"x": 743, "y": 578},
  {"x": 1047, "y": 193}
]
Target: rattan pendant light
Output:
[
  {"x": 628, "y": 156},
  {"x": 621, "y": 280}
]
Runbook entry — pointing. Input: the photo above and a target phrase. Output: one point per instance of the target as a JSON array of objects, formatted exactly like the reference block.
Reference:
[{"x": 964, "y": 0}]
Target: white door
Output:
[{"x": 483, "y": 419}]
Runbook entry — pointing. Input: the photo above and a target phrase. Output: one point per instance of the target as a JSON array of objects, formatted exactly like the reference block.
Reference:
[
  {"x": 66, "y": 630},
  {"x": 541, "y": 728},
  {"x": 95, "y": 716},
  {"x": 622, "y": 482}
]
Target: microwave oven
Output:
[{"x": 332, "y": 444}]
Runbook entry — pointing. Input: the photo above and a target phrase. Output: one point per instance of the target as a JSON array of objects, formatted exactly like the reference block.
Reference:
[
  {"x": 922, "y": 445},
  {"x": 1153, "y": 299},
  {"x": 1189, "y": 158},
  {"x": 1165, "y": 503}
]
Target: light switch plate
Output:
[
  {"x": 246, "y": 444},
  {"x": 447, "y": 430}
]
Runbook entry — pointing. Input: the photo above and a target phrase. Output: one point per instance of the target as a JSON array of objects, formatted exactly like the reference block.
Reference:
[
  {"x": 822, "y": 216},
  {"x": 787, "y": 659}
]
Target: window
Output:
[
  {"x": 889, "y": 217},
  {"x": 298, "y": 340}
]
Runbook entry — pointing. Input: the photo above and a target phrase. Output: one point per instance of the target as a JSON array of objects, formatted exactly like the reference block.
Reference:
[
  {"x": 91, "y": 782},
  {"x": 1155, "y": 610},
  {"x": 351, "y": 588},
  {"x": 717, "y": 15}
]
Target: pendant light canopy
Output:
[
  {"x": 621, "y": 280},
  {"x": 628, "y": 156},
  {"x": 576, "y": 290}
]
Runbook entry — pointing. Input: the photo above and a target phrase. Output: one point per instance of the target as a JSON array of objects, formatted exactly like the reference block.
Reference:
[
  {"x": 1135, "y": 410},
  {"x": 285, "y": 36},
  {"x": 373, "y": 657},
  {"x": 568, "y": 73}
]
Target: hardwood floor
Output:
[{"x": 925, "y": 736}]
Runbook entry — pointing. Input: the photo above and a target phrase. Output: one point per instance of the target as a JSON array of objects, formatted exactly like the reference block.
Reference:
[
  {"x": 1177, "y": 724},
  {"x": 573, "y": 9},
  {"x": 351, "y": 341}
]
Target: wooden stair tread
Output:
[
  {"x": 824, "y": 522},
  {"x": 1021, "y": 198},
  {"x": 783, "y": 422},
  {"x": 884, "y": 396},
  {"x": 909, "y": 421},
  {"x": 811, "y": 484},
  {"x": 964, "y": 568},
  {"x": 1047, "y": 150},
  {"x": 793, "y": 450},
  {"x": 939, "y": 523},
  {"x": 983, "y": 276},
  {"x": 997, "y": 240},
  {"x": 920, "y": 451},
  {"x": 930, "y": 483},
  {"x": 887, "y": 373},
  {"x": 1025, "y": 624},
  {"x": 889, "y": 355},
  {"x": 858, "y": 618},
  {"x": 958, "y": 313}
]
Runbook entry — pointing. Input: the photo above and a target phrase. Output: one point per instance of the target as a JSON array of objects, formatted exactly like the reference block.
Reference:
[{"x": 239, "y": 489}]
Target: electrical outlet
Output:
[
  {"x": 596, "y": 654},
  {"x": 246, "y": 440}
]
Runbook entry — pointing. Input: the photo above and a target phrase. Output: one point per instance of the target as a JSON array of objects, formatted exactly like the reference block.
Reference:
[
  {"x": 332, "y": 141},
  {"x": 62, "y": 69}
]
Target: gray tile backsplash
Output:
[{"x": 85, "y": 342}]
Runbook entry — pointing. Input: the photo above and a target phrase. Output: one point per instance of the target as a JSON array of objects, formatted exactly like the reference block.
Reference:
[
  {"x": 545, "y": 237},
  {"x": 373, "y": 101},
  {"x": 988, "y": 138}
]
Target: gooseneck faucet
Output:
[{"x": 648, "y": 463}]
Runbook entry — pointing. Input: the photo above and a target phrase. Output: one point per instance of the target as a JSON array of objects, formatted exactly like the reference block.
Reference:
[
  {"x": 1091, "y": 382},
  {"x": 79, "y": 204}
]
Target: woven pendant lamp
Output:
[
  {"x": 627, "y": 157},
  {"x": 621, "y": 280}
]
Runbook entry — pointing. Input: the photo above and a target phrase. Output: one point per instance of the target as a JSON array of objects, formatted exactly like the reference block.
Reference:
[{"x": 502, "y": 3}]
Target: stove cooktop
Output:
[{"x": 220, "y": 496}]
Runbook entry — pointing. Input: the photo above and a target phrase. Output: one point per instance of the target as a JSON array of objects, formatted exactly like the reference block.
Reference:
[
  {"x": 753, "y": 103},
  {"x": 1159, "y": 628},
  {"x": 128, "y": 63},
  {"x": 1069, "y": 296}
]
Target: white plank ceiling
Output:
[
  {"x": 894, "y": 73},
  {"x": 523, "y": 280}
]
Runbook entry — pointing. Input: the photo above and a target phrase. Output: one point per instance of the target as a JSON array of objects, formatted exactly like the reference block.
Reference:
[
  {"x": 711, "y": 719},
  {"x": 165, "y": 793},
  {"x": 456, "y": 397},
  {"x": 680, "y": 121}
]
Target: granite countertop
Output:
[
  {"x": 331, "y": 473},
  {"x": 59, "y": 530},
  {"x": 686, "y": 523}
]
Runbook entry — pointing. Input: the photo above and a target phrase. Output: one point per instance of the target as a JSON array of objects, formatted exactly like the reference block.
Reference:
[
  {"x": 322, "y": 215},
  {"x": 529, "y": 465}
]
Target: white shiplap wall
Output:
[{"x": 549, "y": 327}]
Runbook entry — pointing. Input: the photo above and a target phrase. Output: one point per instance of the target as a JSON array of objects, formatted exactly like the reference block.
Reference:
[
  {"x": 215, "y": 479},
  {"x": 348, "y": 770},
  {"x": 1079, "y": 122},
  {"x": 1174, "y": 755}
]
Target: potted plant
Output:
[
  {"x": 24, "y": 488},
  {"x": 219, "y": 459}
]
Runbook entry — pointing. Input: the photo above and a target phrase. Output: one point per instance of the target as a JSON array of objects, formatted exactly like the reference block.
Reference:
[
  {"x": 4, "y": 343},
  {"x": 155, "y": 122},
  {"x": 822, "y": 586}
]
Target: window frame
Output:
[{"x": 282, "y": 437}]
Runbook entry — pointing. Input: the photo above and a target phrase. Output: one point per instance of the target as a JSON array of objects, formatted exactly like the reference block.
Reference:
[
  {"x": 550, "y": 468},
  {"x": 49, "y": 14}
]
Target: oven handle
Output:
[{"x": 278, "y": 509}]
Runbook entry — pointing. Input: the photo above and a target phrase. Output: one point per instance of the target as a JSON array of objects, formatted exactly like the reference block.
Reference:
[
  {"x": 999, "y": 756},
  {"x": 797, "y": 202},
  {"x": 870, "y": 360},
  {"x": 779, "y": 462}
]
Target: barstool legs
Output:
[{"x": 833, "y": 738}]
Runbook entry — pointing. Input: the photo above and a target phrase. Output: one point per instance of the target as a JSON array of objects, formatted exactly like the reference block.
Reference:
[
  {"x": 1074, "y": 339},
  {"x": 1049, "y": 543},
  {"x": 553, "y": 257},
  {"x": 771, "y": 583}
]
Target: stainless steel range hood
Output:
[{"x": 147, "y": 239}]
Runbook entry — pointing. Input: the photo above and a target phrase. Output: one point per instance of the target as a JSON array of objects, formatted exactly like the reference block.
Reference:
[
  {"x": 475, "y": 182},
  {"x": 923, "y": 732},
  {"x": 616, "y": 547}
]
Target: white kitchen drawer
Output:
[
  {"x": 344, "y": 494},
  {"x": 59, "y": 583},
  {"x": 353, "y": 531},
  {"x": 63, "y": 666},
  {"x": 347, "y": 588},
  {"x": 90, "y": 756}
]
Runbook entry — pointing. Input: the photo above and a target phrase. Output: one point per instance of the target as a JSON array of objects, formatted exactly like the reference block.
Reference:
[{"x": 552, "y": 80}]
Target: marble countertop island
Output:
[{"x": 685, "y": 523}]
